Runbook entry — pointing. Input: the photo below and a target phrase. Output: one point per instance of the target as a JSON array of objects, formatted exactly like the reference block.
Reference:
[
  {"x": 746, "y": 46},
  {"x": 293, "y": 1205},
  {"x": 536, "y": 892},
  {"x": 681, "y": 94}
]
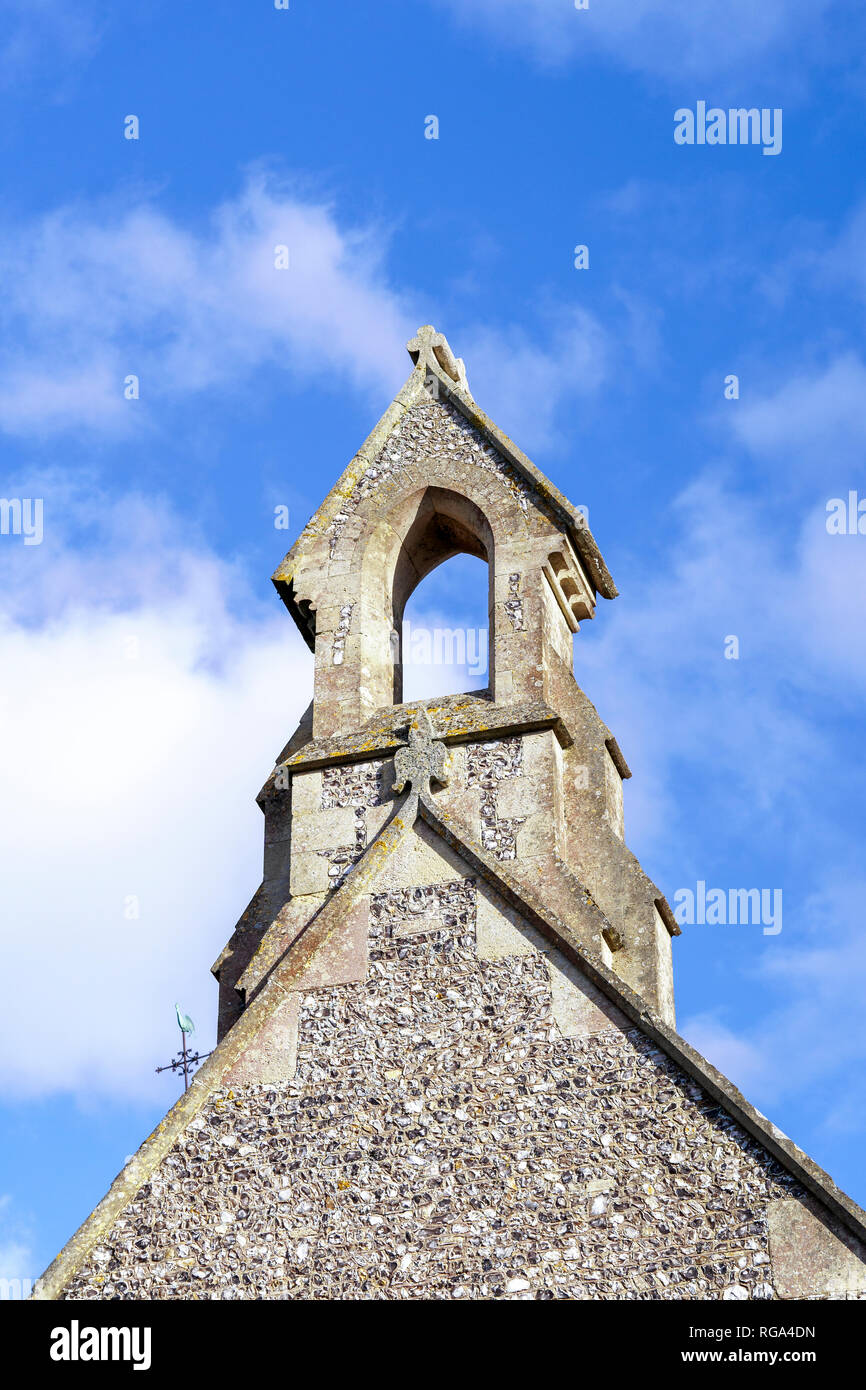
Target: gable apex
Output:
[{"x": 437, "y": 376}]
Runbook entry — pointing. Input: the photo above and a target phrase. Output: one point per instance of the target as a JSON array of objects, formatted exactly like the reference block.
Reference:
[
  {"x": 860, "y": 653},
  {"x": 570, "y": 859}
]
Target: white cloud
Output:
[
  {"x": 655, "y": 663},
  {"x": 92, "y": 295},
  {"x": 810, "y": 1038},
  {"x": 141, "y": 719},
  {"x": 814, "y": 422},
  {"x": 522, "y": 381},
  {"x": 680, "y": 39},
  {"x": 734, "y": 1055},
  {"x": 16, "y": 1264},
  {"x": 16, "y": 1257}
]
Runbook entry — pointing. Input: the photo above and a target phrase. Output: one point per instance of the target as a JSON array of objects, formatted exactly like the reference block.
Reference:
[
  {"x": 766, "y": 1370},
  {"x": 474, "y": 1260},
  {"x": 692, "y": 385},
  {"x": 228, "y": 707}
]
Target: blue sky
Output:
[{"x": 149, "y": 675}]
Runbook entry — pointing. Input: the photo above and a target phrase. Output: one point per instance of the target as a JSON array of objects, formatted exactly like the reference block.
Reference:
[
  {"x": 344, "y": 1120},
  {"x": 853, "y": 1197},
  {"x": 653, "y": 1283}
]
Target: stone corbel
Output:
[{"x": 571, "y": 587}]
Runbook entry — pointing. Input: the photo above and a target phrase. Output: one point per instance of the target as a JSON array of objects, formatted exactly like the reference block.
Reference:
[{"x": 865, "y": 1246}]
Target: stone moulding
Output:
[
  {"x": 619, "y": 761},
  {"x": 325, "y": 927},
  {"x": 464, "y": 722}
]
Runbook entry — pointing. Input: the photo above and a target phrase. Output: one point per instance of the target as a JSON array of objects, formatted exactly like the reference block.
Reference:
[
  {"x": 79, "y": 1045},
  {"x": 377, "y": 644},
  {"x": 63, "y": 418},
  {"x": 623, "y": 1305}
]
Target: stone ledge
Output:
[{"x": 456, "y": 719}]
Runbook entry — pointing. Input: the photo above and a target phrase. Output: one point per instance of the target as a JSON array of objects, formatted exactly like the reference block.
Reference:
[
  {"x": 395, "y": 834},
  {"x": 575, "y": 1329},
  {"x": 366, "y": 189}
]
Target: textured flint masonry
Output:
[
  {"x": 342, "y": 857},
  {"x": 359, "y": 786},
  {"x": 406, "y": 912},
  {"x": 487, "y": 764},
  {"x": 441, "y": 1139},
  {"x": 355, "y": 784},
  {"x": 514, "y": 604},
  {"x": 429, "y": 431},
  {"x": 342, "y": 632}
]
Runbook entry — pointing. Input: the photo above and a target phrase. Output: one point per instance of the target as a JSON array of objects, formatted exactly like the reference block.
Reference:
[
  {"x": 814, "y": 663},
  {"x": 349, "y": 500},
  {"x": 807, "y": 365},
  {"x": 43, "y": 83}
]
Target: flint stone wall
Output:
[
  {"x": 431, "y": 429},
  {"x": 444, "y": 1137}
]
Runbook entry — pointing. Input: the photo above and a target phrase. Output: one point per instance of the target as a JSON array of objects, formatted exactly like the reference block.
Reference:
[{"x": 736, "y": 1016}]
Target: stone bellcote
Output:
[
  {"x": 534, "y": 776},
  {"x": 434, "y": 479}
]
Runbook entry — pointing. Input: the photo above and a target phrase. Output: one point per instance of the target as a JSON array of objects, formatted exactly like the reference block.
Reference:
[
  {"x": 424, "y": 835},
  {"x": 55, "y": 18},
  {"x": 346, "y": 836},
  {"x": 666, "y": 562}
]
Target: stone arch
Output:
[
  {"x": 400, "y": 535},
  {"x": 424, "y": 529},
  {"x": 450, "y": 497}
]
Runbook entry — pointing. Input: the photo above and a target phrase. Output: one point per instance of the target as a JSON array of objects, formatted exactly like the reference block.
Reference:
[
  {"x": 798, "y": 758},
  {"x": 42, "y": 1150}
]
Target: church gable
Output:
[
  {"x": 432, "y": 423},
  {"x": 447, "y": 1064},
  {"x": 443, "y": 1138},
  {"x": 431, "y": 443},
  {"x": 470, "y": 1119}
]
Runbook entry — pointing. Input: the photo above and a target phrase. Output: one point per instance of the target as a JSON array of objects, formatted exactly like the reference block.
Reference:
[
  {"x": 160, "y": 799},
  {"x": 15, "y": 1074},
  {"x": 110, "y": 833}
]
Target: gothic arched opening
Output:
[
  {"x": 445, "y": 631},
  {"x": 441, "y": 636}
]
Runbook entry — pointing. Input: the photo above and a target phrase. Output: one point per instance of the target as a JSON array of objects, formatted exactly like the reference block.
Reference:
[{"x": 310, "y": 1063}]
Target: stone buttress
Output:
[{"x": 447, "y": 1064}]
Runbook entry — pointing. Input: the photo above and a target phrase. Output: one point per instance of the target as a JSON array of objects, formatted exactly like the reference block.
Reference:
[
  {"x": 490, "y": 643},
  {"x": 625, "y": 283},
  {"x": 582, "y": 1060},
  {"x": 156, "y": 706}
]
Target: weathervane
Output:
[{"x": 184, "y": 1060}]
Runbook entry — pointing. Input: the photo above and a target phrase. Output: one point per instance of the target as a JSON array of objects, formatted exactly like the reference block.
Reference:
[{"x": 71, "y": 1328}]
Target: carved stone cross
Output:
[
  {"x": 422, "y": 760},
  {"x": 431, "y": 349}
]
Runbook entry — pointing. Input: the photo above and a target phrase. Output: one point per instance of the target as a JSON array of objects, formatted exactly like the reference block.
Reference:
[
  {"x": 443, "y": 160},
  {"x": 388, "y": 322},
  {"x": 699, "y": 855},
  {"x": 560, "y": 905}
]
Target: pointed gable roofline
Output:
[
  {"x": 325, "y": 927},
  {"x": 433, "y": 359}
]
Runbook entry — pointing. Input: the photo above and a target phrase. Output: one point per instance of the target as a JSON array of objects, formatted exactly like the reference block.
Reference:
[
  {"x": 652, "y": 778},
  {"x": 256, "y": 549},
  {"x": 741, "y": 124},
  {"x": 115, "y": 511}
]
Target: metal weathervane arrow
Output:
[{"x": 184, "y": 1060}]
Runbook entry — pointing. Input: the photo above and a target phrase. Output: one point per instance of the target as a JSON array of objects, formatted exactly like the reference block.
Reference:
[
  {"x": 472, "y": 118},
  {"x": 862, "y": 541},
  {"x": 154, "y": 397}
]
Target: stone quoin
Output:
[{"x": 447, "y": 1064}]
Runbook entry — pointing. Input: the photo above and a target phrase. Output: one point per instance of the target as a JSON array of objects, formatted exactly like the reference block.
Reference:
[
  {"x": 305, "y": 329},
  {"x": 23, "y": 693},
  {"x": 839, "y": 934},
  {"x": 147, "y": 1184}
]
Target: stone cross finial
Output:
[
  {"x": 420, "y": 760},
  {"x": 430, "y": 349}
]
